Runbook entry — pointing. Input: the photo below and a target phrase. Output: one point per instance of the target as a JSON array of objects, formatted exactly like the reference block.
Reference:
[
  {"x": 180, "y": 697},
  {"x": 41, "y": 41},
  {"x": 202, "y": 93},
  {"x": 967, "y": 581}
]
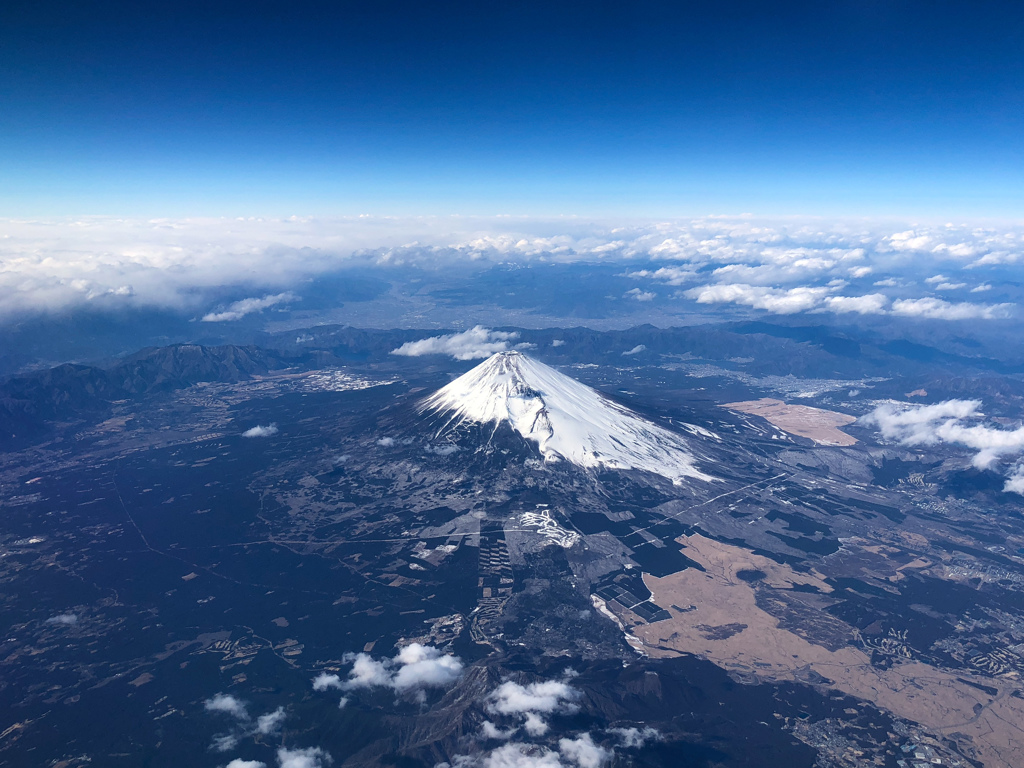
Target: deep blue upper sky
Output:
[{"x": 845, "y": 106}]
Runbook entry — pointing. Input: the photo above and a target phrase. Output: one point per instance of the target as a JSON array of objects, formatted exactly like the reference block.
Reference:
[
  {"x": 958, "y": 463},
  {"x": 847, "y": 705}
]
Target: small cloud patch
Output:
[
  {"x": 271, "y": 722},
  {"x": 325, "y": 681},
  {"x": 310, "y": 757},
  {"x": 414, "y": 668},
  {"x": 239, "y": 309},
  {"x": 476, "y": 343},
  {"x": 227, "y": 704},
  {"x": 64, "y": 619},
  {"x": 636, "y": 293}
]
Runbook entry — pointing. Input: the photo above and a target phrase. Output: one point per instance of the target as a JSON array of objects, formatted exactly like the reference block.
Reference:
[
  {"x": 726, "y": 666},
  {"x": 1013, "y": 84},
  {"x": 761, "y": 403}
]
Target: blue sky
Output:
[{"x": 895, "y": 108}]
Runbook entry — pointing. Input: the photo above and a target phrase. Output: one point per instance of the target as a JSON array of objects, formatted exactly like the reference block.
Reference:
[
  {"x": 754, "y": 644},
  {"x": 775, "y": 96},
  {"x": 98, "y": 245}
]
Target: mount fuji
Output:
[{"x": 566, "y": 419}]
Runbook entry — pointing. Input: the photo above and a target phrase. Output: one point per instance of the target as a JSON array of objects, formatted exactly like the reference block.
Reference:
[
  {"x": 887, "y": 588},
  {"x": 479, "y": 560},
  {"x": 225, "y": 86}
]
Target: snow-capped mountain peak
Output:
[{"x": 568, "y": 420}]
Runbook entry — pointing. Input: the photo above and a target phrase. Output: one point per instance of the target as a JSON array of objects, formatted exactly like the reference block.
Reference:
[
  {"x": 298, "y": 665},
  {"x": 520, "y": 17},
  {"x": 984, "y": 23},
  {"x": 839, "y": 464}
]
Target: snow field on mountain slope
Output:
[{"x": 568, "y": 420}]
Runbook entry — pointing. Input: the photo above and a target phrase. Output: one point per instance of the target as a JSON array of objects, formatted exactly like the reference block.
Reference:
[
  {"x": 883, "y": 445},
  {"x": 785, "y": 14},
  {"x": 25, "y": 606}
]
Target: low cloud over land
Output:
[
  {"x": 239, "y": 309},
  {"x": 414, "y": 667},
  {"x": 953, "y": 422}
]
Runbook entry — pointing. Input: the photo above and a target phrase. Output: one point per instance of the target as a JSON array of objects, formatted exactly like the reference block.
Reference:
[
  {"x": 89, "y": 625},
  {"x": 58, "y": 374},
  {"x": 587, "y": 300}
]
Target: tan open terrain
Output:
[
  {"x": 819, "y": 425},
  {"x": 720, "y": 618}
]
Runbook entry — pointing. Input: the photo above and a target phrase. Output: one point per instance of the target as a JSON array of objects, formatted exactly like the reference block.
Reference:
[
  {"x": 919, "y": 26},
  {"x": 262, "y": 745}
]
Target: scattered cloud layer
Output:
[
  {"x": 269, "y": 724},
  {"x": 57, "y": 264},
  {"x": 937, "y": 309},
  {"x": 478, "y": 342},
  {"x": 789, "y": 301},
  {"x": 953, "y": 422}
]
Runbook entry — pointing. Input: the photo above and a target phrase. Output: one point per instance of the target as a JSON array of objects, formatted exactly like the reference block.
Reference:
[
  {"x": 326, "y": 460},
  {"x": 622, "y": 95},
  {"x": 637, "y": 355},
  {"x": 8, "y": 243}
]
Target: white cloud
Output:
[
  {"x": 367, "y": 672},
  {"x": 325, "y": 681},
  {"x": 66, "y": 619},
  {"x": 441, "y": 450},
  {"x": 239, "y": 309},
  {"x": 910, "y": 241},
  {"x": 981, "y": 288},
  {"x": 787, "y": 301},
  {"x": 669, "y": 275},
  {"x": 795, "y": 271},
  {"x": 581, "y": 752},
  {"x": 414, "y": 667},
  {"x": 386, "y": 442},
  {"x": 871, "y": 304},
  {"x": 535, "y": 725},
  {"x": 558, "y": 343},
  {"x": 775, "y": 300},
  {"x": 228, "y": 704},
  {"x": 489, "y": 730},
  {"x": 421, "y": 666},
  {"x": 915, "y": 424},
  {"x": 477, "y": 342},
  {"x": 518, "y": 755},
  {"x": 224, "y": 742},
  {"x": 636, "y": 350},
  {"x": 945, "y": 423},
  {"x": 311, "y": 757},
  {"x": 631, "y": 738},
  {"x": 636, "y": 293},
  {"x": 270, "y": 722},
  {"x": 937, "y": 309},
  {"x": 584, "y": 752},
  {"x": 240, "y": 763},
  {"x": 1015, "y": 482},
  {"x": 545, "y": 697},
  {"x": 261, "y": 431}
]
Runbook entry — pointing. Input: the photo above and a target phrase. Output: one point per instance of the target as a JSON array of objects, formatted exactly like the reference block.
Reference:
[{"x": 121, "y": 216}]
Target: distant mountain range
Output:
[{"x": 31, "y": 403}]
